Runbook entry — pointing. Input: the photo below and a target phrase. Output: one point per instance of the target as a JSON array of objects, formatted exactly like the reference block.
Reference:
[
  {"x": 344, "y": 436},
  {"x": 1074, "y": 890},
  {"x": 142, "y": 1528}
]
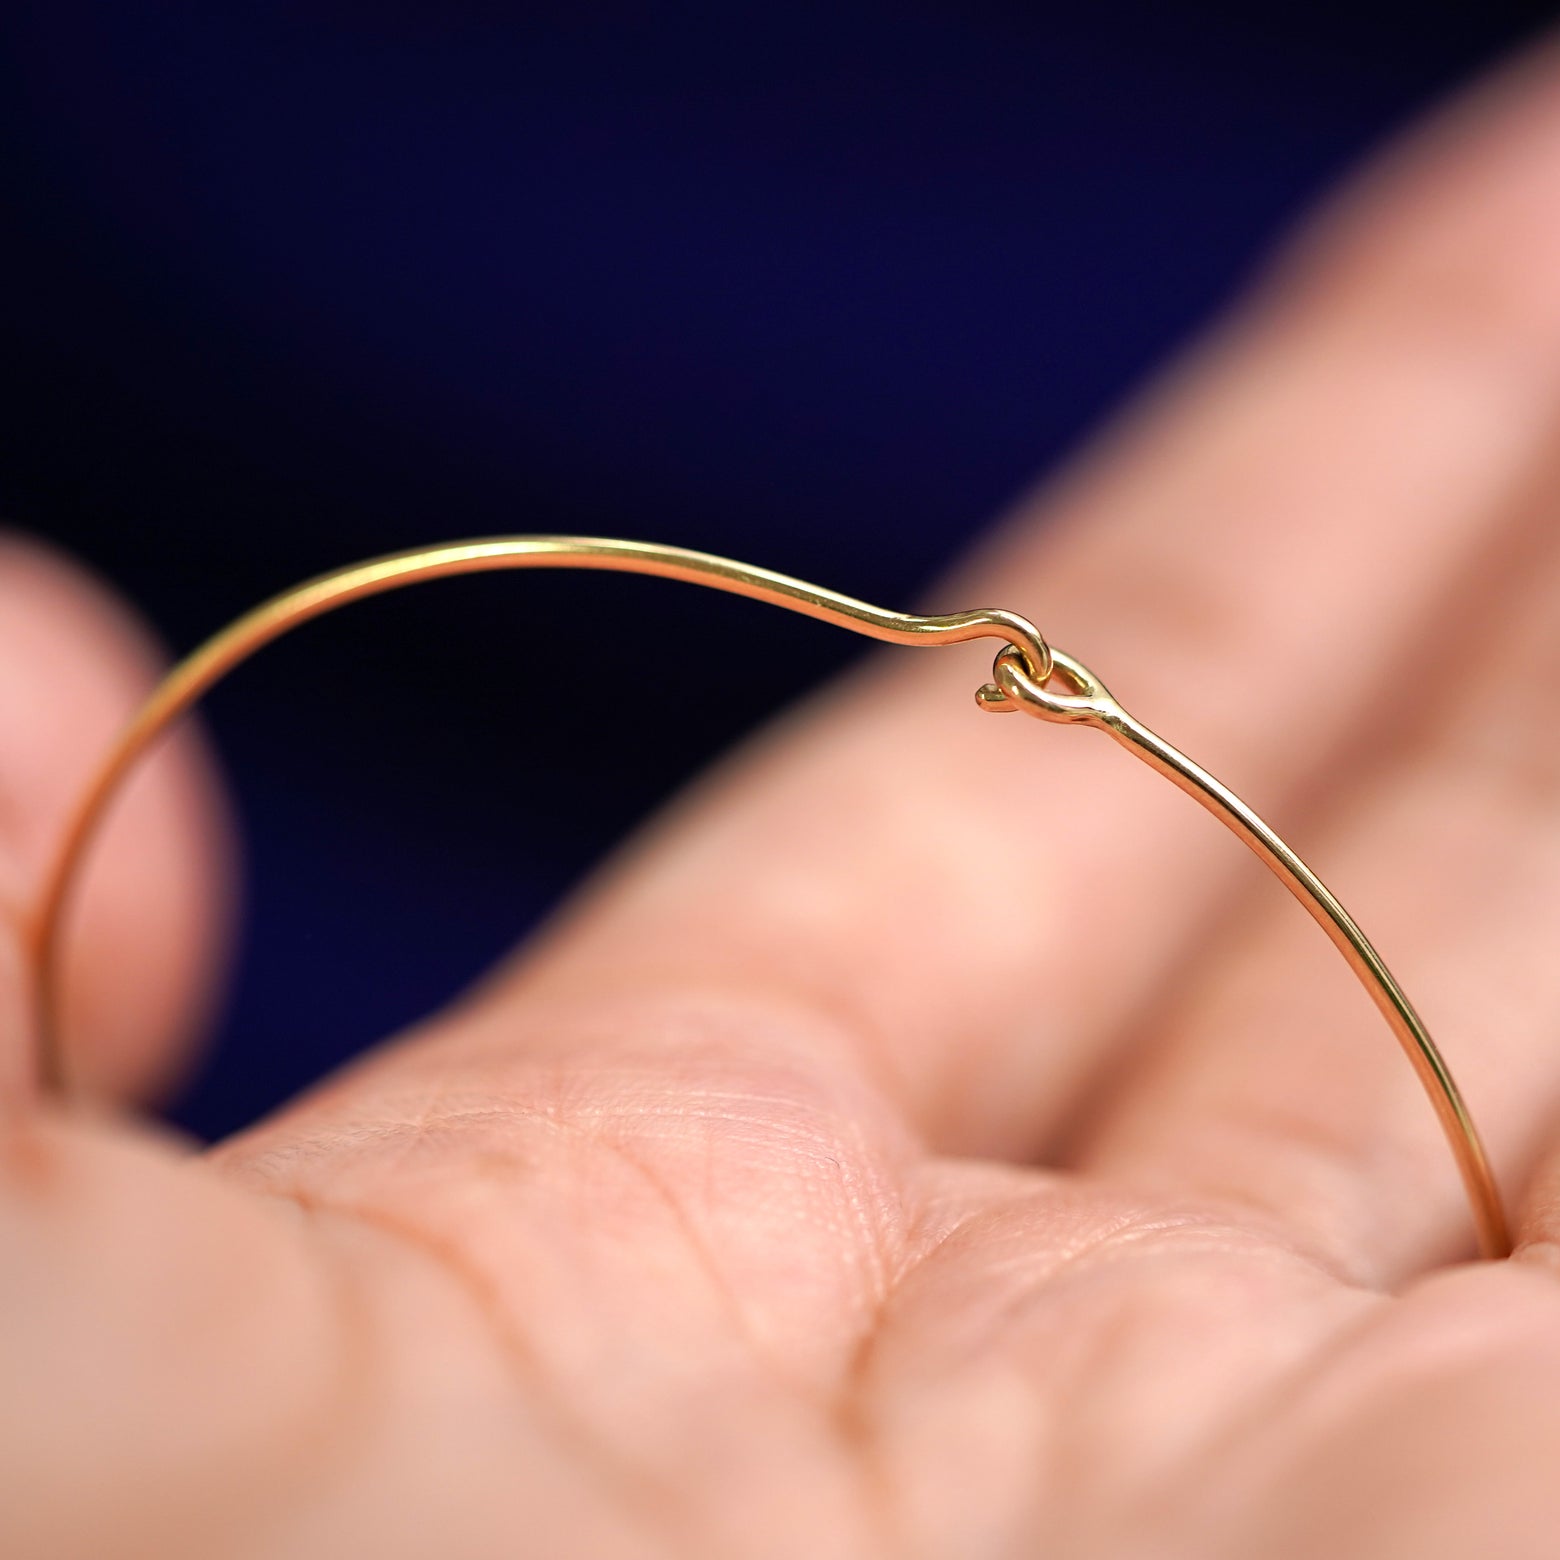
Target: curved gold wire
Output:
[
  {"x": 205, "y": 666},
  {"x": 1090, "y": 703},
  {"x": 1024, "y": 672}
]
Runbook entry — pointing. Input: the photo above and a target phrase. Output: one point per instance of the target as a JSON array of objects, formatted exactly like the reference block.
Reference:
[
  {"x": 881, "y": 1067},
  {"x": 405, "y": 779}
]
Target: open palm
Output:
[{"x": 937, "y": 1139}]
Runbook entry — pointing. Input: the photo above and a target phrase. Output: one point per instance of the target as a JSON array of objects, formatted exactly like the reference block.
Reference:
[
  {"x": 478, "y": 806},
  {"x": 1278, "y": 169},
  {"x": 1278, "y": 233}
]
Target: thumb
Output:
[{"x": 148, "y": 922}]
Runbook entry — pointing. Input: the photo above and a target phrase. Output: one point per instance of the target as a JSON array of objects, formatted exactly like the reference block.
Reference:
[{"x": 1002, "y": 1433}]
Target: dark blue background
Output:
[{"x": 823, "y": 286}]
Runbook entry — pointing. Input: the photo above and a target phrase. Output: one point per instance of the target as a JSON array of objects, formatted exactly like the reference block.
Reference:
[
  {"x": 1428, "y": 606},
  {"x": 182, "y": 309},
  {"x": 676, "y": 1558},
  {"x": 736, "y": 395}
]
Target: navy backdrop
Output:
[{"x": 823, "y": 286}]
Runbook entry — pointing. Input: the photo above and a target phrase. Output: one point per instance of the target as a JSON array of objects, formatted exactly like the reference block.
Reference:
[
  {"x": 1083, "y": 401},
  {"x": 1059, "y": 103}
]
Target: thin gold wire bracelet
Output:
[{"x": 1028, "y": 675}]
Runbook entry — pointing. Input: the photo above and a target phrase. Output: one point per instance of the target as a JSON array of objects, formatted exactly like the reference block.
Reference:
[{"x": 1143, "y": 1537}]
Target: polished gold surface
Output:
[{"x": 1029, "y": 676}]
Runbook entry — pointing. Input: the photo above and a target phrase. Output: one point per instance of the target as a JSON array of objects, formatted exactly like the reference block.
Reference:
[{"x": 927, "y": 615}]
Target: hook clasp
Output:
[{"x": 1082, "y": 698}]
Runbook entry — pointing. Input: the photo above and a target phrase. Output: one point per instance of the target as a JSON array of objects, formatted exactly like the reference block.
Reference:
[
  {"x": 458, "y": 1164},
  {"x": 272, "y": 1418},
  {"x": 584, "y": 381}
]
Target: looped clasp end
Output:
[{"x": 1070, "y": 693}]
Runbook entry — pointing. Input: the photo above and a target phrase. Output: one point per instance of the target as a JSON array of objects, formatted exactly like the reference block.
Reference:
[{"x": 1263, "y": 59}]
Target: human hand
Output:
[{"x": 937, "y": 1138}]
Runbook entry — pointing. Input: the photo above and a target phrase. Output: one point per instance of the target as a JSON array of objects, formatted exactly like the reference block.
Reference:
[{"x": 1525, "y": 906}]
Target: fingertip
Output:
[{"x": 150, "y": 921}]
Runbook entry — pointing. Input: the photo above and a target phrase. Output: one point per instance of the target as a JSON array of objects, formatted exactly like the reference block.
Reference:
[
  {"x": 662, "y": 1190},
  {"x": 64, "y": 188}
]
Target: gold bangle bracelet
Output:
[{"x": 1028, "y": 675}]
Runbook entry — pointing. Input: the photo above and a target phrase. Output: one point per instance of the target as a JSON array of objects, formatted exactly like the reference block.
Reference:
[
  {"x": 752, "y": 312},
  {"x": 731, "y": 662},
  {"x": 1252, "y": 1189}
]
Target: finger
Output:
[
  {"x": 982, "y": 904},
  {"x": 148, "y": 923},
  {"x": 1273, "y": 1081},
  {"x": 971, "y": 909}
]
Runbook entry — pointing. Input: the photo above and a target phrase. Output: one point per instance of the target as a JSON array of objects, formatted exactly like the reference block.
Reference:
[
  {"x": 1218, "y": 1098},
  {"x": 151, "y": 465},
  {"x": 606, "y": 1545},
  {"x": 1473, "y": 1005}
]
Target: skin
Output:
[{"x": 935, "y": 1137}]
